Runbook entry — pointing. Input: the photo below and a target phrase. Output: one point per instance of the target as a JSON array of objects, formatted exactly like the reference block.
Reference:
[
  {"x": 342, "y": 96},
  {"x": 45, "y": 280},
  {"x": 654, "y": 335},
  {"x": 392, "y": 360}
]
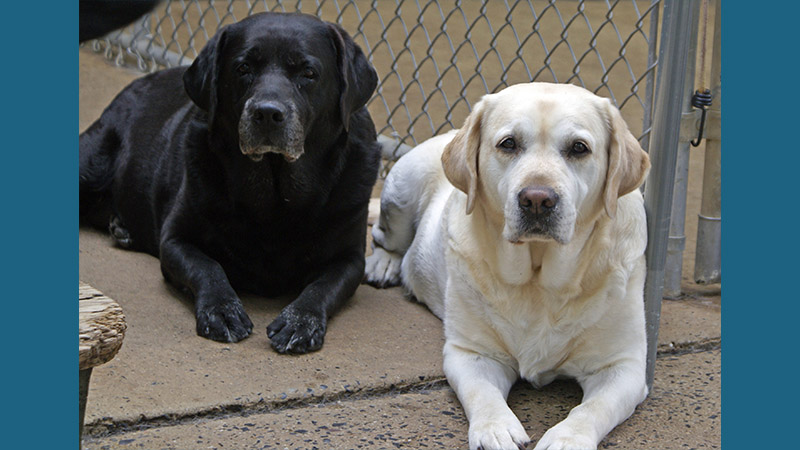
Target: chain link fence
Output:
[{"x": 435, "y": 59}]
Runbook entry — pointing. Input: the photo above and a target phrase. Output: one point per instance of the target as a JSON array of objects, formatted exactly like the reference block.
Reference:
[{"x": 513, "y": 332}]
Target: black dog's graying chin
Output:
[{"x": 250, "y": 171}]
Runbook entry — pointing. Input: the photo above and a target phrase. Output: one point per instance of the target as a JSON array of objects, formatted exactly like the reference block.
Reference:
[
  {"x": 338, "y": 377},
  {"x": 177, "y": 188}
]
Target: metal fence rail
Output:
[{"x": 436, "y": 58}]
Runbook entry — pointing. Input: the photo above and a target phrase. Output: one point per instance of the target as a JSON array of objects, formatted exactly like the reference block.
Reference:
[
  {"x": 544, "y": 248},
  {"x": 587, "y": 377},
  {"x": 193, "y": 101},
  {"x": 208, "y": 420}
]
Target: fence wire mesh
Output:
[{"x": 435, "y": 59}]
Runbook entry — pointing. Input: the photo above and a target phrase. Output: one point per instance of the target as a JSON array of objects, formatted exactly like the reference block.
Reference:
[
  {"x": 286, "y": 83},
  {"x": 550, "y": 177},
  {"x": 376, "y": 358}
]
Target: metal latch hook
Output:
[{"x": 701, "y": 100}]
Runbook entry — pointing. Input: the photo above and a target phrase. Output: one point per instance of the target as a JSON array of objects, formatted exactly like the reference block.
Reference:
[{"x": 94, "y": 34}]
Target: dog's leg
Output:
[
  {"x": 393, "y": 232},
  {"x": 301, "y": 326},
  {"x": 609, "y": 397},
  {"x": 382, "y": 267},
  {"x": 482, "y": 385},
  {"x": 219, "y": 311}
]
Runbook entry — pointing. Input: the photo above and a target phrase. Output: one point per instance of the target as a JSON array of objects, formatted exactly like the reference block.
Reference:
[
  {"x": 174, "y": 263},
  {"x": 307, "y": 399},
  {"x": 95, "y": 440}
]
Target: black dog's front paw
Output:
[
  {"x": 297, "y": 331},
  {"x": 223, "y": 321}
]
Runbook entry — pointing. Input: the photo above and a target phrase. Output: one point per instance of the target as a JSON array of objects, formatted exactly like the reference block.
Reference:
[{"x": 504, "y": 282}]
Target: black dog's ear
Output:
[
  {"x": 359, "y": 78},
  {"x": 200, "y": 79}
]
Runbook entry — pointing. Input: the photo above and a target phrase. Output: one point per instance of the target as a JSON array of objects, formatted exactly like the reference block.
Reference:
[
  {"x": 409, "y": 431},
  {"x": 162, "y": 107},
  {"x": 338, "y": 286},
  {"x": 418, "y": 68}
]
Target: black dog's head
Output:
[{"x": 276, "y": 80}]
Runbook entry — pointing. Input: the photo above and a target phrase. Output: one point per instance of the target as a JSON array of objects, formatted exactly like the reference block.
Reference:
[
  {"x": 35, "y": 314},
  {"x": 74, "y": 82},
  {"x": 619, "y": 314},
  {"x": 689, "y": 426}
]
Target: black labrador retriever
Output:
[{"x": 250, "y": 170}]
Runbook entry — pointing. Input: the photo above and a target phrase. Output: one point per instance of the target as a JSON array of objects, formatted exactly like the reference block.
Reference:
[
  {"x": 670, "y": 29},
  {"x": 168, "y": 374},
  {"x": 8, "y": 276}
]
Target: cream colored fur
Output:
[{"x": 563, "y": 302}]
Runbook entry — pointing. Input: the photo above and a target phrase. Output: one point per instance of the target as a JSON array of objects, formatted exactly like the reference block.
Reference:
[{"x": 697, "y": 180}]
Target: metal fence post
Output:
[
  {"x": 709, "y": 226},
  {"x": 664, "y": 139},
  {"x": 673, "y": 271},
  {"x": 647, "y": 113}
]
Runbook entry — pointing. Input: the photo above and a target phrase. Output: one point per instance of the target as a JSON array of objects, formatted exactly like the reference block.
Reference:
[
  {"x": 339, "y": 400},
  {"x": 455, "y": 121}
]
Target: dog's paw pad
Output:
[
  {"x": 296, "y": 332},
  {"x": 224, "y": 322},
  {"x": 382, "y": 268}
]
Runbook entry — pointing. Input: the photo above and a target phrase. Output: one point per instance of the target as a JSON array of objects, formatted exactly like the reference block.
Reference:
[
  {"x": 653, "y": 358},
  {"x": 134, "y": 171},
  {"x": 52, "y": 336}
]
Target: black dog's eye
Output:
[
  {"x": 309, "y": 73},
  {"x": 243, "y": 69},
  {"x": 508, "y": 145},
  {"x": 578, "y": 149}
]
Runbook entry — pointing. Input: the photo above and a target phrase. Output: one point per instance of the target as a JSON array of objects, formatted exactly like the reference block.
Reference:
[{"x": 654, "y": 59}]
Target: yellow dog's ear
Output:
[
  {"x": 628, "y": 164},
  {"x": 460, "y": 156}
]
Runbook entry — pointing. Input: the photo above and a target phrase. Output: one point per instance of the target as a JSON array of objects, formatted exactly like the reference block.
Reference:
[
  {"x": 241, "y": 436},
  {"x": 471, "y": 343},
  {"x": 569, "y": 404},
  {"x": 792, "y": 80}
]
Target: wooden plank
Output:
[{"x": 101, "y": 327}]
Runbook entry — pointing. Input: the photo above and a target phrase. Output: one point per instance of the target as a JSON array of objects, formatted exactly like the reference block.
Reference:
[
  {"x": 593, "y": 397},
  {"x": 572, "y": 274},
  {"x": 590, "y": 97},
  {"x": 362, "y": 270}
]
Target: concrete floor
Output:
[{"x": 377, "y": 383}]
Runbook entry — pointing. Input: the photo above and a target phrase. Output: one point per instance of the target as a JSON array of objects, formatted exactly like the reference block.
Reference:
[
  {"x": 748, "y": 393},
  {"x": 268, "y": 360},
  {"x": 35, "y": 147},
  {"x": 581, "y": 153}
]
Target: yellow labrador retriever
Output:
[{"x": 525, "y": 232}]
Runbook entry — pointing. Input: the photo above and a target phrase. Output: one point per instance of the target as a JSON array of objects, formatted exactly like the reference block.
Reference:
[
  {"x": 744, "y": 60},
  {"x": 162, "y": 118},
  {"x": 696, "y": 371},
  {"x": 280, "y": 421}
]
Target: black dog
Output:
[{"x": 252, "y": 169}]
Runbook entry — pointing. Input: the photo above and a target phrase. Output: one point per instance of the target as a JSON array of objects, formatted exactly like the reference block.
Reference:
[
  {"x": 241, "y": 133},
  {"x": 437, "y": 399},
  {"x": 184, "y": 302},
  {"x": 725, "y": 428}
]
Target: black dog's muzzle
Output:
[{"x": 269, "y": 126}]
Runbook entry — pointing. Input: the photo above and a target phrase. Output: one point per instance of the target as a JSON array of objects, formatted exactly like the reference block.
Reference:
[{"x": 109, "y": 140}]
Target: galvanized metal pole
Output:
[
  {"x": 673, "y": 271},
  {"x": 647, "y": 119},
  {"x": 708, "y": 254},
  {"x": 675, "y": 35}
]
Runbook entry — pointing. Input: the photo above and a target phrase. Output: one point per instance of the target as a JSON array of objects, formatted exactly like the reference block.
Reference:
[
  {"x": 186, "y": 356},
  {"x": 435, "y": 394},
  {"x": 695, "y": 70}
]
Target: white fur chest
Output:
[
  {"x": 508, "y": 306},
  {"x": 531, "y": 329}
]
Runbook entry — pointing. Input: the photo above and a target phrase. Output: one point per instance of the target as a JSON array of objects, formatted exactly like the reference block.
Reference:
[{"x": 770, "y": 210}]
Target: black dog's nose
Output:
[
  {"x": 537, "y": 199},
  {"x": 269, "y": 112}
]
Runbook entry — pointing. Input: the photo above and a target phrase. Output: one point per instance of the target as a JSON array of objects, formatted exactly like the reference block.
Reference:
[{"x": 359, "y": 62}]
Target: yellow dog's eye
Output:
[
  {"x": 508, "y": 144},
  {"x": 578, "y": 149}
]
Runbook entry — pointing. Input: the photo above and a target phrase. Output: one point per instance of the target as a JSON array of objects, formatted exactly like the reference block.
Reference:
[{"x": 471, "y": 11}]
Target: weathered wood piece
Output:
[{"x": 101, "y": 327}]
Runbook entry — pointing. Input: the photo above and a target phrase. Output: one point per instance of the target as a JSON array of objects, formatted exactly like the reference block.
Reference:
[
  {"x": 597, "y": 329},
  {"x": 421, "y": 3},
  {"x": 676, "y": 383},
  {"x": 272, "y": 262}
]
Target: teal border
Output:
[
  {"x": 760, "y": 193},
  {"x": 39, "y": 223},
  {"x": 759, "y": 232}
]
